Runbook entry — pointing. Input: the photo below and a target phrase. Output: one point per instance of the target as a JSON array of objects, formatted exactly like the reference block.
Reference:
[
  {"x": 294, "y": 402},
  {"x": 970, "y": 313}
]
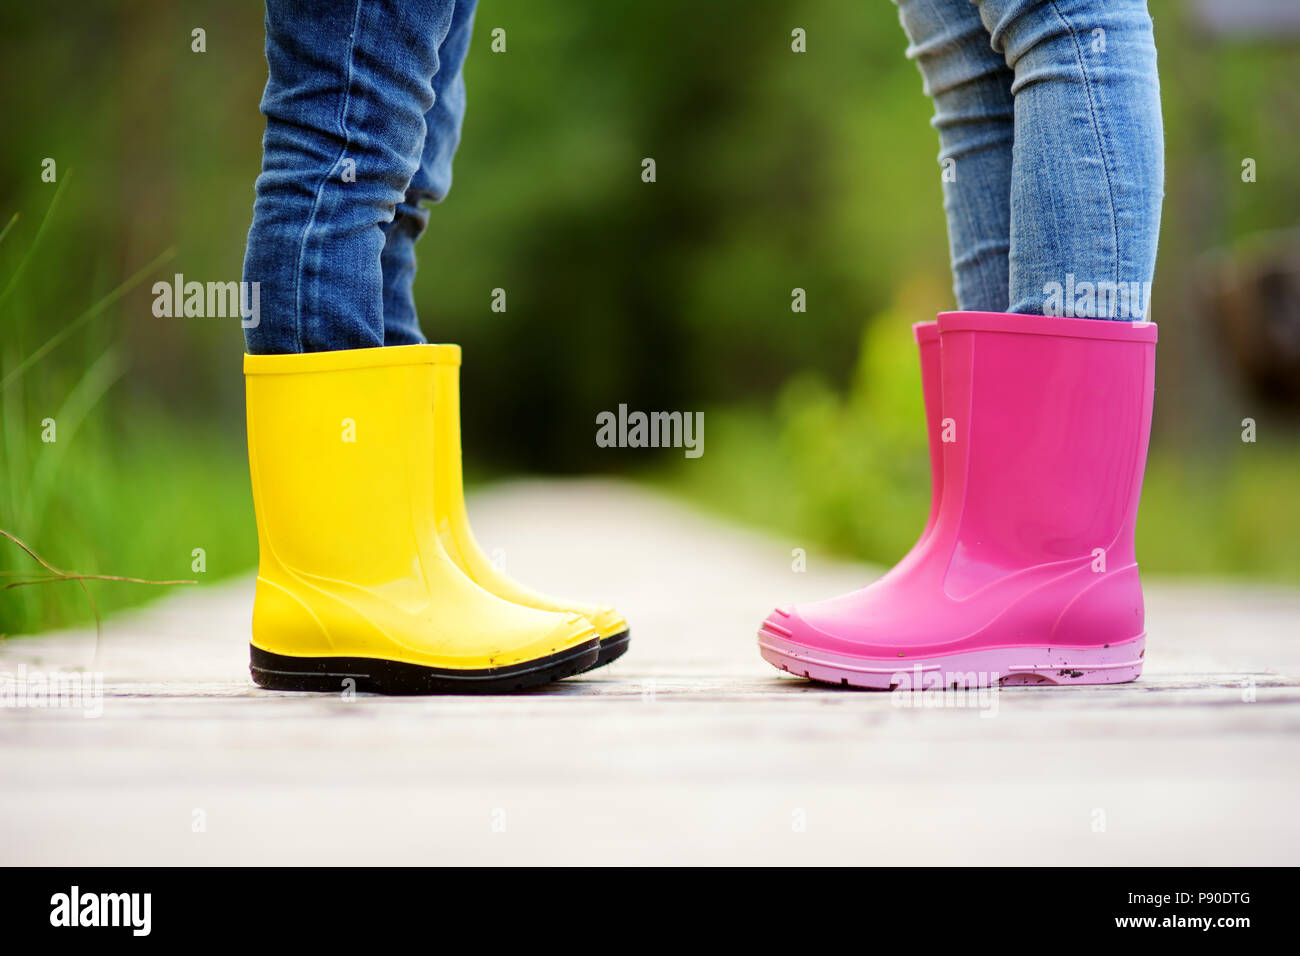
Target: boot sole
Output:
[
  {"x": 1116, "y": 663},
  {"x": 612, "y": 648},
  {"x": 374, "y": 676}
]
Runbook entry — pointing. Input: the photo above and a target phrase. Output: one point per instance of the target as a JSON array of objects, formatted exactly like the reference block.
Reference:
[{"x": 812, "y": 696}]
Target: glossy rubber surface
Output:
[
  {"x": 453, "y": 518},
  {"x": 369, "y": 675},
  {"x": 341, "y": 453},
  {"x": 1032, "y": 546}
]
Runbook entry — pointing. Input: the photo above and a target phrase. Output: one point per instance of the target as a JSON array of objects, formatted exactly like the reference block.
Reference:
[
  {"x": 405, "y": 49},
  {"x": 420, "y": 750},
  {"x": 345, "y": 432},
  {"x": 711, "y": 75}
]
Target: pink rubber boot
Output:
[{"x": 1028, "y": 573}]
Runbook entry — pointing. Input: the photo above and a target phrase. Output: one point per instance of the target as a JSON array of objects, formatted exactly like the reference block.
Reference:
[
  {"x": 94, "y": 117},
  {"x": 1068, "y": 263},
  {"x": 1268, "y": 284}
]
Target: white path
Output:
[{"x": 690, "y": 749}]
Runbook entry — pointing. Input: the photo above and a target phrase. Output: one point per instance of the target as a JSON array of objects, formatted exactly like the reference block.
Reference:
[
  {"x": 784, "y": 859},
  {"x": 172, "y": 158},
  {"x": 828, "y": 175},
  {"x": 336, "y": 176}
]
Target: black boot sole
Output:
[
  {"x": 332, "y": 675},
  {"x": 611, "y": 649}
]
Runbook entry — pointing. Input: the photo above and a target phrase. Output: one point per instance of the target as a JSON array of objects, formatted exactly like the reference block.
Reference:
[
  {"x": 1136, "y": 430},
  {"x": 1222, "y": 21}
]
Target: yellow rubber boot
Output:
[
  {"x": 453, "y": 520},
  {"x": 353, "y": 583}
]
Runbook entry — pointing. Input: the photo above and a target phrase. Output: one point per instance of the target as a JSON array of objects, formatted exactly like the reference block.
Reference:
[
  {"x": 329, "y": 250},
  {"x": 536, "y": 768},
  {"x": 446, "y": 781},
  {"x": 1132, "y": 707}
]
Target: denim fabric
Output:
[
  {"x": 1051, "y": 143},
  {"x": 363, "y": 111}
]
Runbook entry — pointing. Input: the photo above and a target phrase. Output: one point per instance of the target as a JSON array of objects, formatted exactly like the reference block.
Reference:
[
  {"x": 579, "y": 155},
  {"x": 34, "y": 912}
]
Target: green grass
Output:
[
  {"x": 132, "y": 499},
  {"x": 91, "y": 482}
]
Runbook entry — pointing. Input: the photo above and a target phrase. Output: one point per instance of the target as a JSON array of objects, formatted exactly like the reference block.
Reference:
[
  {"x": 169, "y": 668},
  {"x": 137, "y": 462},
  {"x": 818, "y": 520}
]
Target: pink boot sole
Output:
[{"x": 1008, "y": 666}]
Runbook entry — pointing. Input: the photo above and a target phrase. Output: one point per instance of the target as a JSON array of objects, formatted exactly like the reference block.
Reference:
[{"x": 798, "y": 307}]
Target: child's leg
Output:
[
  {"x": 971, "y": 89},
  {"x": 1088, "y": 171},
  {"x": 430, "y": 183},
  {"x": 350, "y": 82}
]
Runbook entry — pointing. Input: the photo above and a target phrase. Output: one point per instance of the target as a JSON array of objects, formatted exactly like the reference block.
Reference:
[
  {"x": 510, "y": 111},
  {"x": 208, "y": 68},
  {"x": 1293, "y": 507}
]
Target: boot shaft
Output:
[
  {"x": 449, "y": 482},
  {"x": 1049, "y": 421},
  {"x": 337, "y": 441}
]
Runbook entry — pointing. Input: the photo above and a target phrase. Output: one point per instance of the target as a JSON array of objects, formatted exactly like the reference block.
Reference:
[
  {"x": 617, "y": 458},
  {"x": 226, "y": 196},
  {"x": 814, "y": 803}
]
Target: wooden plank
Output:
[{"x": 691, "y": 749}]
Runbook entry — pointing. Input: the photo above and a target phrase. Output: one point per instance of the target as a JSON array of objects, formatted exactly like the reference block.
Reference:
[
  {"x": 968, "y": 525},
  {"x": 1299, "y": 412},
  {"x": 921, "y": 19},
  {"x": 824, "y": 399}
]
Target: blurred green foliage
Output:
[{"x": 775, "y": 170}]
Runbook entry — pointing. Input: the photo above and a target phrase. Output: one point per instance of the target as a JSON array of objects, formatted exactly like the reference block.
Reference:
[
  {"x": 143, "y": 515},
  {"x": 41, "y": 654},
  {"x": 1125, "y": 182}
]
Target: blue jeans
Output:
[
  {"x": 1051, "y": 150},
  {"x": 363, "y": 114}
]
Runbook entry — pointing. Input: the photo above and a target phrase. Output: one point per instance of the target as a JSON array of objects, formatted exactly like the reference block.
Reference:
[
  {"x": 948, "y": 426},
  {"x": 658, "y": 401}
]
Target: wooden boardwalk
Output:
[{"x": 689, "y": 750}]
